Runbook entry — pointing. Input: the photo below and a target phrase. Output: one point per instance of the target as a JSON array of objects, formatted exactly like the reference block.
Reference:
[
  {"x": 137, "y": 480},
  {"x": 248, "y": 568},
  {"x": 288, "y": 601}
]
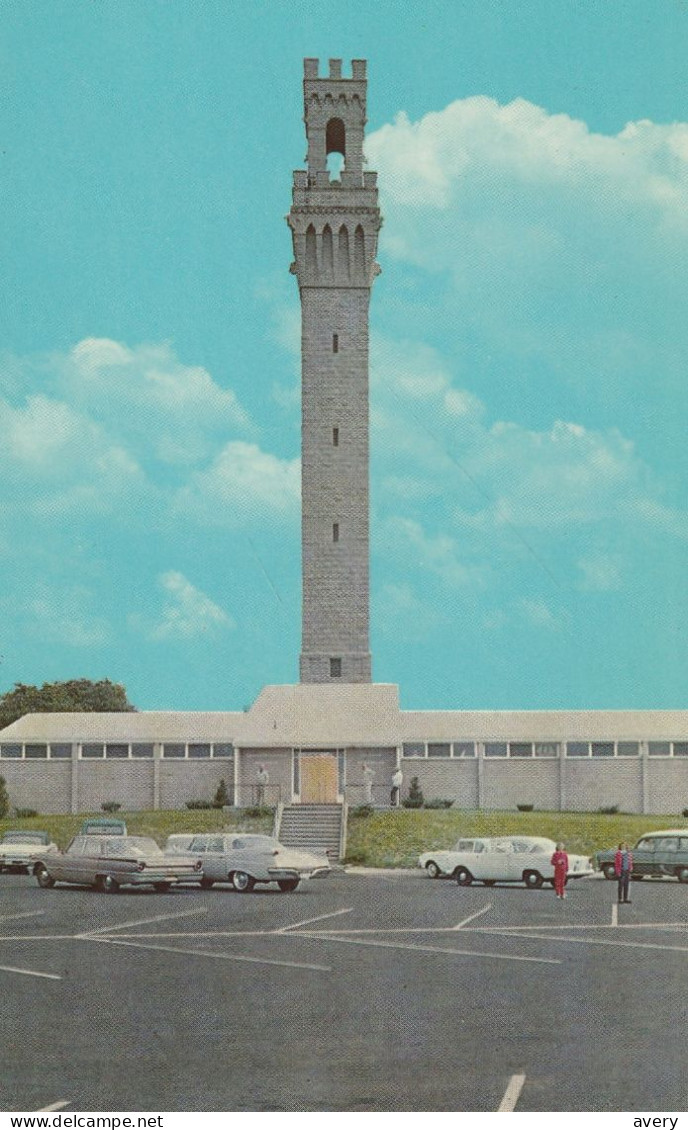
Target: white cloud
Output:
[
  {"x": 243, "y": 481},
  {"x": 66, "y": 616},
  {"x": 405, "y": 539},
  {"x": 427, "y": 163},
  {"x": 187, "y": 613},
  {"x": 600, "y": 573},
  {"x": 147, "y": 395}
]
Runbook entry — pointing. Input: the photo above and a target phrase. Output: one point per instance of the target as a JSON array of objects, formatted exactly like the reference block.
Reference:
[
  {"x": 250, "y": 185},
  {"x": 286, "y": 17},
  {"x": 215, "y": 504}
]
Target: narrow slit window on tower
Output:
[
  {"x": 335, "y": 531},
  {"x": 335, "y": 343},
  {"x": 335, "y": 668},
  {"x": 335, "y": 437}
]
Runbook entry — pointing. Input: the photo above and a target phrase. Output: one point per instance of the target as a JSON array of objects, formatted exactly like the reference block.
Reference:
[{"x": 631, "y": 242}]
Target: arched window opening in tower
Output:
[
  {"x": 335, "y": 437},
  {"x": 335, "y": 531},
  {"x": 335, "y": 343},
  {"x": 335, "y": 147}
]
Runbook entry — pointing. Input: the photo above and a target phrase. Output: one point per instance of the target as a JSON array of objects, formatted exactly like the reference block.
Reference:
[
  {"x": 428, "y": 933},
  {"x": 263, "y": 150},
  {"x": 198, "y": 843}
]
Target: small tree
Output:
[
  {"x": 221, "y": 796},
  {"x": 4, "y": 799},
  {"x": 415, "y": 795}
]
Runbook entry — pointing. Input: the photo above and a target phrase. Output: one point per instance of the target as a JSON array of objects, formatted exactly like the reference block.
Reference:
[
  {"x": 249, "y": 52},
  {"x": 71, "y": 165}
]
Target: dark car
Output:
[{"x": 656, "y": 853}]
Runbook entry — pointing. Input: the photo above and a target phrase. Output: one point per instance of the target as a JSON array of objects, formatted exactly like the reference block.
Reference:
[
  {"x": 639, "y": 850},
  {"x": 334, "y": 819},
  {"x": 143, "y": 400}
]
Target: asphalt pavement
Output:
[{"x": 364, "y": 991}]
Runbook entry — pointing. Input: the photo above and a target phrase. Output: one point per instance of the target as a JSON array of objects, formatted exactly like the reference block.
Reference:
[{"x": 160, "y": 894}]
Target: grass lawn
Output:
[
  {"x": 396, "y": 838},
  {"x": 159, "y": 824}
]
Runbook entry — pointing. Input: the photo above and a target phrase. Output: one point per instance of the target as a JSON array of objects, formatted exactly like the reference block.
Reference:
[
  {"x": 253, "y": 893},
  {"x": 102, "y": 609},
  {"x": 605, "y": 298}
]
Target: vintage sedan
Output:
[
  {"x": 20, "y": 850},
  {"x": 655, "y": 854},
  {"x": 110, "y": 862},
  {"x": 501, "y": 859},
  {"x": 245, "y": 859}
]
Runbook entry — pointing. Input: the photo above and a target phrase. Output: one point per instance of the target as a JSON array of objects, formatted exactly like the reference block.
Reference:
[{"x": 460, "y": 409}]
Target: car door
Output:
[
  {"x": 72, "y": 866},
  {"x": 495, "y": 862},
  {"x": 666, "y": 855},
  {"x": 644, "y": 857},
  {"x": 214, "y": 859}
]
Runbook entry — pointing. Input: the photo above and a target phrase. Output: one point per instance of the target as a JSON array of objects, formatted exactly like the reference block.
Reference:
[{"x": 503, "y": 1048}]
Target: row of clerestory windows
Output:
[{"x": 573, "y": 749}]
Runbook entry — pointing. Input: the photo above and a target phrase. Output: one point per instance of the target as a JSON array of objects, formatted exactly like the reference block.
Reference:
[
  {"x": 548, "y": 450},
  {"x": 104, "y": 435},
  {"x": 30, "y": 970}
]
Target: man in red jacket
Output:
[{"x": 623, "y": 866}]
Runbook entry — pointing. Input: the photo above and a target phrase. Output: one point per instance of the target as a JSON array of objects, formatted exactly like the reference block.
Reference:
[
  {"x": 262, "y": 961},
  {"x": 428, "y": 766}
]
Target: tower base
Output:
[{"x": 319, "y": 668}]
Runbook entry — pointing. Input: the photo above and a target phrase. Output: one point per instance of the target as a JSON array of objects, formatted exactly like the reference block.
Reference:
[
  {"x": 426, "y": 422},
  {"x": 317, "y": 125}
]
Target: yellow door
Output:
[{"x": 319, "y": 778}]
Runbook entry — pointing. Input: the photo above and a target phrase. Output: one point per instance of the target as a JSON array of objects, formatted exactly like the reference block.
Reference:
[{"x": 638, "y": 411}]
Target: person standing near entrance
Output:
[
  {"x": 262, "y": 781},
  {"x": 623, "y": 867},
  {"x": 560, "y": 863},
  {"x": 368, "y": 778},
  {"x": 397, "y": 782}
]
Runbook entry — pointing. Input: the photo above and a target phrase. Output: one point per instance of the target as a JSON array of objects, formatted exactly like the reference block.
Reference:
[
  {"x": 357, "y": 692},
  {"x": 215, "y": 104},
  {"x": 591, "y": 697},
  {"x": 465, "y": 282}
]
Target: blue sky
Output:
[{"x": 528, "y": 356}]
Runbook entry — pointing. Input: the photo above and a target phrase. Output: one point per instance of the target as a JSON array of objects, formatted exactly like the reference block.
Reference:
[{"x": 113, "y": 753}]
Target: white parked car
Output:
[
  {"x": 20, "y": 850},
  {"x": 244, "y": 859},
  {"x": 501, "y": 859}
]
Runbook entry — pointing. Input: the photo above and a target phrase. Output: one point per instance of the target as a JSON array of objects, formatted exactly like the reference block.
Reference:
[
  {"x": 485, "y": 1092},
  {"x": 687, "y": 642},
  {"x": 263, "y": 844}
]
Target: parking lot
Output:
[{"x": 371, "y": 992}]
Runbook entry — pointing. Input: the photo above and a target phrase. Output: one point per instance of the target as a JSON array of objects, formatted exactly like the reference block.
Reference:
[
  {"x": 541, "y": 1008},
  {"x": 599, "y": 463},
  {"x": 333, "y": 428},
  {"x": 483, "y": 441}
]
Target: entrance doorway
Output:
[{"x": 318, "y": 778}]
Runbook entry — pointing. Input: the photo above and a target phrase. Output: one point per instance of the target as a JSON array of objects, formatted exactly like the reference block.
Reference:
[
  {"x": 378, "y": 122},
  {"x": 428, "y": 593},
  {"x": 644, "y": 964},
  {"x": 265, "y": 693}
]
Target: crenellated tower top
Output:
[
  {"x": 335, "y": 117},
  {"x": 335, "y": 217}
]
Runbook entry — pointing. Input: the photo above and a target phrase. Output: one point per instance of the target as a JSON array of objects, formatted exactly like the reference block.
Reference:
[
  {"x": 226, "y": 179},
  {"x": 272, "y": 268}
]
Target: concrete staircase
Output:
[{"x": 313, "y": 827}]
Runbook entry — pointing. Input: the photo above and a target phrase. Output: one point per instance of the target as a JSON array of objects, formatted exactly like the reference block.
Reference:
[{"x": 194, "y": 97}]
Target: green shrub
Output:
[
  {"x": 609, "y": 810},
  {"x": 25, "y": 813},
  {"x": 199, "y": 804},
  {"x": 4, "y": 799},
  {"x": 437, "y": 802},
  {"x": 257, "y": 810},
  {"x": 415, "y": 795},
  {"x": 362, "y": 810},
  {"x": 221, "y": 798},
  {"x": 355, "y": 857},
  {"x": 111, "y": 806},
  {"x": 524, "y": 807},
  {"x": 684, "y": 813}
]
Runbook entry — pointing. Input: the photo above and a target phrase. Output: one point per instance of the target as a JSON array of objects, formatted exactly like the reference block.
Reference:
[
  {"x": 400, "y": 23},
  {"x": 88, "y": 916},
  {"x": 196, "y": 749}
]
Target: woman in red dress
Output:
[{"x": 560, "y": 863}]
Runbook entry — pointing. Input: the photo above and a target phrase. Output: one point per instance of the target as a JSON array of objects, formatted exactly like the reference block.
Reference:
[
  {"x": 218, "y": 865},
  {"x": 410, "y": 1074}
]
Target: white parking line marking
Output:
[
  {"x": 470, "y": 918},
  {"x": 615, "y": 914},
  {"x": 38, "y": 937},
  {"x": 596, "y": 941},
  {"x": 222, "y": 956},
  {"x": 587, "y": 926},
  {"x": 512, "y": 1093},
  {"x": 307, "y": 921},
  {"x": 141, "y": 922},
  {"x": 24, "y": 914},
  {"x": 30, "y": 973},
  {"x": 53, "y": 1106},
  {"x": 327, "y": 937}
]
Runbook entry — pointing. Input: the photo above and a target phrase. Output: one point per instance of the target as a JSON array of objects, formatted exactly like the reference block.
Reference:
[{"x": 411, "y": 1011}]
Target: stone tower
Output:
[{"x": 335, "y": 221}]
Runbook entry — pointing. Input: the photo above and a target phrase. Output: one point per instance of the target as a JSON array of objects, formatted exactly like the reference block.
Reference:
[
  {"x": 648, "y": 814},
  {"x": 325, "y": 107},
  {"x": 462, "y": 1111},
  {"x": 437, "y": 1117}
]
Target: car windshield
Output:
[
  {"x": 257, "y": 843},
  {"x": 25, "y": 838},
  {"x": 130, "y": 845}
]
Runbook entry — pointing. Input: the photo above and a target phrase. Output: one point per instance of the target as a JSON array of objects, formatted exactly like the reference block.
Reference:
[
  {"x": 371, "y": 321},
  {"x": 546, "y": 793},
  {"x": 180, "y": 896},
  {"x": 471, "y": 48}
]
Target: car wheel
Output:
[
  {"x": 242, "y": 882},
  {"x": 206, "y": 884},
  {"x": 463, "y": 876},
  {"x": 489, "y": 882},
  {"x": 682, "y": 874},
  {"x": 287, "y": 885},
  {"x": 608, "y": 871},
  {"x": 107, "y": 885},
  {"x": 432, "y": 869},
  {"x": 162, "y": 888},
  {"x": 44, "y": 879},
  {"x": 532, "y": 879}
]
